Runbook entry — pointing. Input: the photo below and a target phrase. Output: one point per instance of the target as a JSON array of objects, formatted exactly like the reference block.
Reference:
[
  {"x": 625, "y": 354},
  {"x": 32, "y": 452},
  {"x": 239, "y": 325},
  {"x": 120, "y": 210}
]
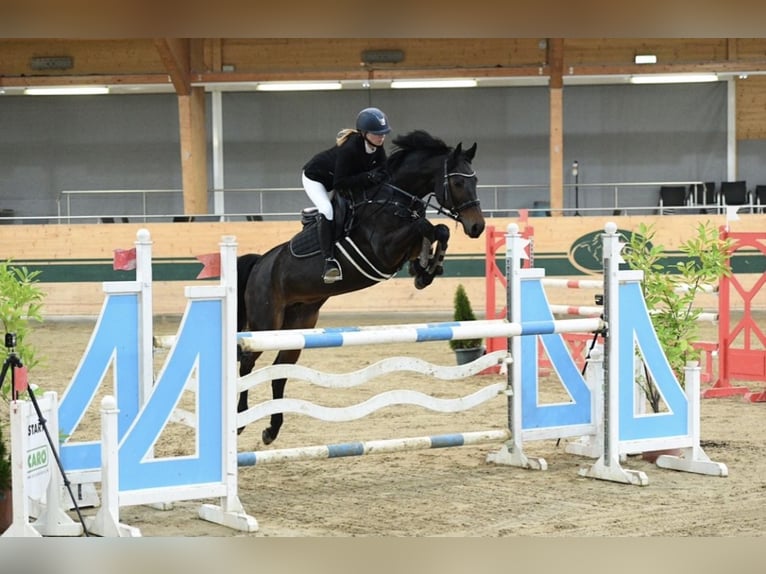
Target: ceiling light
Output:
[
  {"x": 297, "y": 86},
  {"x": 645, "y": 59},
  {"x": 456, "y": 83},
  {"x": 672, "y": 78},
  {"x": 67, "y": 91}
]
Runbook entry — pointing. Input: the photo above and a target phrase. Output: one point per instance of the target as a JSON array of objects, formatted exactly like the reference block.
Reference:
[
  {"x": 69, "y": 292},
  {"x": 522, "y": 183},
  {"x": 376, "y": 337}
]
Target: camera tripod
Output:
[{"x": 12, "y": 362}]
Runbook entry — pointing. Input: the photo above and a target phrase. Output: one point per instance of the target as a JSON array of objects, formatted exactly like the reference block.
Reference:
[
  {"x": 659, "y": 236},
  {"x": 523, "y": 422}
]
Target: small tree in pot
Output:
[
  {"x": 670, "y": 291},
  {"x": 466, "y": 350}
]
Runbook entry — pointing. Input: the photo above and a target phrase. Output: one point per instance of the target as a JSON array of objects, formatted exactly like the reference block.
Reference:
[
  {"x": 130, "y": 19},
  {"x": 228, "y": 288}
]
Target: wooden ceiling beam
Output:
[
  {"x": 364, "y": 74},
  {"x": 555, "y": 57},
  {"x": 175, "y": 54},
  {"x": 245, "y": 77},
  {"x": 685, "y": 68},
  {"x": 89, "y": 80}
]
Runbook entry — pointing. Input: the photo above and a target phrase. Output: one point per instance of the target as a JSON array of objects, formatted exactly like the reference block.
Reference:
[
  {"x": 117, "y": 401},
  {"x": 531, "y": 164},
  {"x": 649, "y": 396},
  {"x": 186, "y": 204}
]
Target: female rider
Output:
[{"x": 356, "y": 162}]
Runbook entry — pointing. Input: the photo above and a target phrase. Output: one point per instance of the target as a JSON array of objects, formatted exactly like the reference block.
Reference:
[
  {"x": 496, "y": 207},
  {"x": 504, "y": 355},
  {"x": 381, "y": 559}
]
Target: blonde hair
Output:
[{"x": 343, "y": 135}]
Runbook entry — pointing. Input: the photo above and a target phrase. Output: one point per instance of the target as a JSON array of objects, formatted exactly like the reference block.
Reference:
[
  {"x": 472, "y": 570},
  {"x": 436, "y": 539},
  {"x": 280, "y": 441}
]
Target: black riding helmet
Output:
[{"x": 372, "y": 120}]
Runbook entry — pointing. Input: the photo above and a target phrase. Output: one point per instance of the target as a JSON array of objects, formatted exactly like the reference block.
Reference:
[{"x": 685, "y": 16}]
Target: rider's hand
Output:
[{"x": 377, "y": 176}]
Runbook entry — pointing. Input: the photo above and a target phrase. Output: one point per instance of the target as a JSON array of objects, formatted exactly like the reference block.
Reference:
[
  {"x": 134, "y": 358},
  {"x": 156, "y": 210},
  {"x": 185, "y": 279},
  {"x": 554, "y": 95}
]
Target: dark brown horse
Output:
[{"x": 283, "y": 288}]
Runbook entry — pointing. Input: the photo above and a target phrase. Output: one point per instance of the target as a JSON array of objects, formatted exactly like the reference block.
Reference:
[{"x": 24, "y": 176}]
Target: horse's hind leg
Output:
[
  {"x": 302, "y": 316},
  {"x": 271, "y": 432}
]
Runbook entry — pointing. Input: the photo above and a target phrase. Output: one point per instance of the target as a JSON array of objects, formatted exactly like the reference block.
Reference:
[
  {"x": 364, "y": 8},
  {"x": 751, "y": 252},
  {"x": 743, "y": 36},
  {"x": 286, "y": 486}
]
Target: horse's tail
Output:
[{"x": 245, "y": 264}]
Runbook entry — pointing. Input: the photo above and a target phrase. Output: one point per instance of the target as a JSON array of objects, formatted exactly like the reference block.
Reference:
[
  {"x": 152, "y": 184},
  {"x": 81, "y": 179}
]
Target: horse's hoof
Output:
[{"x": 266, "y": 437}]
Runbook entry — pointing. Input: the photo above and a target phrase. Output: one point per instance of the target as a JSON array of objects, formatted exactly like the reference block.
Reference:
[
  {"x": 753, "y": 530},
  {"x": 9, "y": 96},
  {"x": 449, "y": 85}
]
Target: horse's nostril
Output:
[{"x": 476, "y": 230}]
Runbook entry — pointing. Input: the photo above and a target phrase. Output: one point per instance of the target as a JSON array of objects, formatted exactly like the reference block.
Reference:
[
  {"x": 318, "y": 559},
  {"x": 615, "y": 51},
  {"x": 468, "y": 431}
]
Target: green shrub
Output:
[
  {"x": 20, "y": 301},
  {"x": 463, "y": 312}
]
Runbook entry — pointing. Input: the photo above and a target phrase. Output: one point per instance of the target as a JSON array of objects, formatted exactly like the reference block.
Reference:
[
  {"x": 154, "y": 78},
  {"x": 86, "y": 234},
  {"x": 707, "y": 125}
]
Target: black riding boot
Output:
[{"x": 332, "y": 271}]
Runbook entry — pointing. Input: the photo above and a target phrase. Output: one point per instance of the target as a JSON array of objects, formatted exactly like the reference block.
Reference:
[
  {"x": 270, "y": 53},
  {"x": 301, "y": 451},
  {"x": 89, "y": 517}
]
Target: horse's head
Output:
[
  {"x": 424, "y": 165},
  {"x": 457, "y": 190}
]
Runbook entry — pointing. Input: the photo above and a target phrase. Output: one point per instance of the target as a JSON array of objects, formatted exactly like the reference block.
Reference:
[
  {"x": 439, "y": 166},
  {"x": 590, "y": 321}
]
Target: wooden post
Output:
[
  {"x": 556, "y": 63},
  {"x": 191, "y": 111}
]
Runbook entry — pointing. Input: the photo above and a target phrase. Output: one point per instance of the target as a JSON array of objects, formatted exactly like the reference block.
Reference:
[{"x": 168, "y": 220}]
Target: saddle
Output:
[{"x": 305, "y": 243}]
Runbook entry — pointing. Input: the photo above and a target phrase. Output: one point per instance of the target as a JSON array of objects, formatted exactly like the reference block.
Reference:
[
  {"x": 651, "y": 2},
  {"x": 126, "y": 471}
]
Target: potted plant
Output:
[
  {"x": 20, "y": 301},
  {"x": 466, "y": 350},
  {"x": 670, "y": 291}
]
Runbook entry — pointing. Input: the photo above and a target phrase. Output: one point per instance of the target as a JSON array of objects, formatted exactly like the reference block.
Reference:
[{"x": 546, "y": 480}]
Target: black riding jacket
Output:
[{"x": 345, "y": 167}]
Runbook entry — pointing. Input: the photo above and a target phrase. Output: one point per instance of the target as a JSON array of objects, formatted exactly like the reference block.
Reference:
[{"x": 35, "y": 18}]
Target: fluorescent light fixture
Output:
[
  {"x": 67, "y": 91},
  {"x": 297, "y": 86},
  {"x": 645, "y": 59},
  {"x": 672, "y": 78},
  {"x": 456, "y": 83}
]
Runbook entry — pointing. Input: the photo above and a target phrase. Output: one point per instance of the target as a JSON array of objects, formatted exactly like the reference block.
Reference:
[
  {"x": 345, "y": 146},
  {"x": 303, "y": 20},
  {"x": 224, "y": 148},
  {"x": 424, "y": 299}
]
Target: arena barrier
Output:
[
  {"x": 741, "y": 343},
  {"x": 130, "y": 473}
]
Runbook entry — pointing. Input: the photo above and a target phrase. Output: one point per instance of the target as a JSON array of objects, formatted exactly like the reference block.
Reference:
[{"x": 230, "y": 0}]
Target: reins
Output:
[{"x": 416, "y": 206}]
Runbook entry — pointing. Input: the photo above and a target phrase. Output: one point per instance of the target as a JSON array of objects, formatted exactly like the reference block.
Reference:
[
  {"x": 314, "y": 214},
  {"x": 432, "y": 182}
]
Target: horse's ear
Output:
[
  {"x": 471, "y": 152},
  {"x": 458, "y": 149}
]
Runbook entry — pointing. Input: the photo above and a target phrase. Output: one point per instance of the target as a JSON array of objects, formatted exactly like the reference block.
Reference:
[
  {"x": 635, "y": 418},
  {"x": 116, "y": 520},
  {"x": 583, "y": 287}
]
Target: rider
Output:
[{"x": 356, "y": 162}]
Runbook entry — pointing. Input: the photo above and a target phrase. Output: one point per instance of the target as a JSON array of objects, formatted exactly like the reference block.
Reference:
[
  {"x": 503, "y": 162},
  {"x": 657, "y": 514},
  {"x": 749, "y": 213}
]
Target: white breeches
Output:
[{"x": 319, "y": 196}]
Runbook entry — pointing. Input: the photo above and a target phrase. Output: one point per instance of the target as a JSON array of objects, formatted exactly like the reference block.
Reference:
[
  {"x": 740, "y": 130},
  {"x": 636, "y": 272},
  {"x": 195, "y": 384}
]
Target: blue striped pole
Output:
[
  {"x": 361, "y": 448},
  {"x": 351, "y": 336}
]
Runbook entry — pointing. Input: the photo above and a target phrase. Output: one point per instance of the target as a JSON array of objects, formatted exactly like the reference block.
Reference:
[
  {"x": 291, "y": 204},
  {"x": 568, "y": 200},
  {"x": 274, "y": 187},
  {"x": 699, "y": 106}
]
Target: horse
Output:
[{"x": 283, "y": 288}]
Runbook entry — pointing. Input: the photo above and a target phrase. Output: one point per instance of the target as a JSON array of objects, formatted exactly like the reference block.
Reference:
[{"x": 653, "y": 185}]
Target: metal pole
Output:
[{"x": 576, "y": 174}]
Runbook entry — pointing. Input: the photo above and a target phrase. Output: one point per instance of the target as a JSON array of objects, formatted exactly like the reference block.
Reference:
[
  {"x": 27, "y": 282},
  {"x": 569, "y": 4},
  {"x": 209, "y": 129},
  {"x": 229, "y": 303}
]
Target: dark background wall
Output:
[{"x": 617, "y": 133}]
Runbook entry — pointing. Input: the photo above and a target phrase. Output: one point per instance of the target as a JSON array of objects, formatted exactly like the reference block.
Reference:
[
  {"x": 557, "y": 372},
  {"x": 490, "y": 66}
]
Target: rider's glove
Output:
[{"x": 378, "y": 176}]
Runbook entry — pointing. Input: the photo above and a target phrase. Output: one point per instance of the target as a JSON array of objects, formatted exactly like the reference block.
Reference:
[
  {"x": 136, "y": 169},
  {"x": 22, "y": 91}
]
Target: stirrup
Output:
[{"x": 332, "y": 271}]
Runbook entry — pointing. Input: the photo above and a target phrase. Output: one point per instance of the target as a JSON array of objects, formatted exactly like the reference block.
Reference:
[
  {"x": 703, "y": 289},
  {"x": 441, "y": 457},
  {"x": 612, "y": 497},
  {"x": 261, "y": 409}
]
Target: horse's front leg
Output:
[
  {"x": 430, "y": 263},
  {"x": 436, "y": 263},
  {"x": 271, "y": 432}
]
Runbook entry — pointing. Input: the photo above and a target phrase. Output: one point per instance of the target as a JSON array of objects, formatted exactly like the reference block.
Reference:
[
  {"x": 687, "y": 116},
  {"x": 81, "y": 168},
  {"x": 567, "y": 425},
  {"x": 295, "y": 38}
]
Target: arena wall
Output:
[{"x": 75, "y": 259}]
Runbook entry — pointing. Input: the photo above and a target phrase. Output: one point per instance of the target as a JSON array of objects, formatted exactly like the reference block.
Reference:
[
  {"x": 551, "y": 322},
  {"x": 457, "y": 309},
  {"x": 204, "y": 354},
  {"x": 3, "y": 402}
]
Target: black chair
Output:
[
  {"x": 703, "y": 195},
  {"x": 759, "y": 198},
  {"x": 735, "y": 193},
  {"x": 673, "y": 196}
]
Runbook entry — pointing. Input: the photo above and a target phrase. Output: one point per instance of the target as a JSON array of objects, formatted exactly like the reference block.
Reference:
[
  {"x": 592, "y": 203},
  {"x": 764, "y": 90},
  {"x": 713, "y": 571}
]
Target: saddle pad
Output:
[{"x": 305, "y": 243}]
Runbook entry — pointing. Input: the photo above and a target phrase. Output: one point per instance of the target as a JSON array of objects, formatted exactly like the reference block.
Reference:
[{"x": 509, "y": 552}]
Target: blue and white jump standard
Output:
[{"x": 614, "y": 423}]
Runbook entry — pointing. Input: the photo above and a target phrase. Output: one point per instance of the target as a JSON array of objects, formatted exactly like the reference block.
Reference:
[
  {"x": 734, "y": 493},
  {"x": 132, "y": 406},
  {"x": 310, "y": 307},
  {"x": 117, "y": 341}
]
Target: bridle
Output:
[
  {"x": 445, "y": 204},
  {"x": 415, "y": 207}
]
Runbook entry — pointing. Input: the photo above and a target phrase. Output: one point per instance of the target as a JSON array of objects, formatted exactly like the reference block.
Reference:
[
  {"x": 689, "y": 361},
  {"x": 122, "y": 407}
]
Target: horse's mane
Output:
[{"x": 414, "y": 141}]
